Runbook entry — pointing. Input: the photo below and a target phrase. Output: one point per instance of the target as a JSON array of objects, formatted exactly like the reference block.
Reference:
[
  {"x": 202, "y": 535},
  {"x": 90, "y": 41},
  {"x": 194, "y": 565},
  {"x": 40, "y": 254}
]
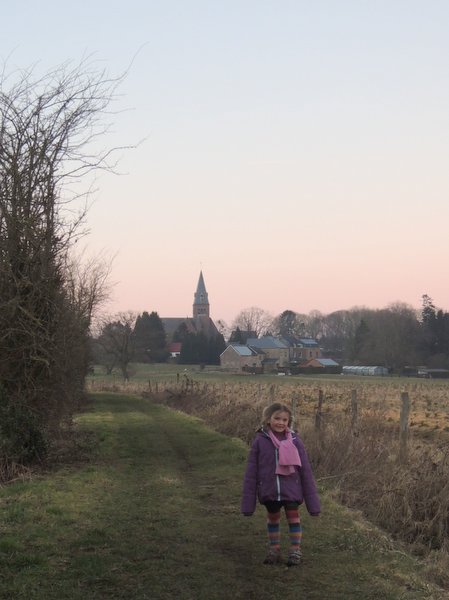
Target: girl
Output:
[{"x": 278, "y": 472}]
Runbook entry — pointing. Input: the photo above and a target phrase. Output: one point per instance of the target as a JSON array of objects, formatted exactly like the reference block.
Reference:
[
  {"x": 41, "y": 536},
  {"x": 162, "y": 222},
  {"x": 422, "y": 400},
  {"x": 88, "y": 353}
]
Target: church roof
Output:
[
  {"x": 200, "y": 296},
  {"x": 200, "y": 325},
  {"x": 171, "y": 324}
]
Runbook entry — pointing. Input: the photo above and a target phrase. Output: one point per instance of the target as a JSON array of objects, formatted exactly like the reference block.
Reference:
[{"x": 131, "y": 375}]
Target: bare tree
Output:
[
  {"x": 87, "y": 283},
  {"x": 337, "y": 330},
  {"x": 313, "y": 324},
  {"x": 253, "y": 319},
  {"x": 116, "y": 340},
  {"x": 47, "y": 125},
  {"x": 223, "y": 328}
]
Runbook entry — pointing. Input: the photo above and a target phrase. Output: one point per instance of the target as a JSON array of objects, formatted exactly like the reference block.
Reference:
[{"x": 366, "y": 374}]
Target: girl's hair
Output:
[{"x": 269, "y": 411}]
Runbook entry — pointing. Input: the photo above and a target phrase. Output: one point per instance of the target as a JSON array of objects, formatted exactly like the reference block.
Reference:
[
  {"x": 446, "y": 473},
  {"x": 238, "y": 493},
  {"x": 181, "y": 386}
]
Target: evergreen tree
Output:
[
  {"x": 157, "y": 339},
  {"x": 180, "y": 333},
  {"x": 236, "y": 337},
  {"x": 199, "y": 349},
  {"x": 435, "y": 325},
  {"x": 216, "y": 347},
  {"x": 360, "y": 341},
  {"x": 141, "y": 336},
  {"x": 150, "y": 340},
  {"x": 193, "y": 349},
  {"x": 430, "y": 327},
  {"x": 442, "y": 332},
  {"x": 428, "y": 310}
]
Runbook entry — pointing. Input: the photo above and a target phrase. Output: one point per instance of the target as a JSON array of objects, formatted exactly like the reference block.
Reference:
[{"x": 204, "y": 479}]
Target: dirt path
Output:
[{"x": 155, "y": 514}]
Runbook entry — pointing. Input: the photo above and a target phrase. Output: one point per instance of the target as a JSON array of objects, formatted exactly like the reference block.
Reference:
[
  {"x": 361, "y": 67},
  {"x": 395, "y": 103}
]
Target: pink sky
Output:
[{"x": 296, "y": 152}]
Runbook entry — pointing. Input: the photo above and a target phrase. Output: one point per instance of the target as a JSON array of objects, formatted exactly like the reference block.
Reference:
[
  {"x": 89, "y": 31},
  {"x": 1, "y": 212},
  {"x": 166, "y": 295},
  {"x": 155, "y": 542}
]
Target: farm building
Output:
[
  {"x": 361, "y": 370},
  {"x": 320, "y": 363},
  {"x": 433, "y": 373},
  {"x": 317, "y": 366}
]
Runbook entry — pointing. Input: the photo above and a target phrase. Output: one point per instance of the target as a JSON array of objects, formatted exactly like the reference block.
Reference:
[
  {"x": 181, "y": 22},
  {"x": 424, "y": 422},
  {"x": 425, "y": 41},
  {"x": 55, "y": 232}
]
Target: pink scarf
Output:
[{"x": 288, "y": 454}]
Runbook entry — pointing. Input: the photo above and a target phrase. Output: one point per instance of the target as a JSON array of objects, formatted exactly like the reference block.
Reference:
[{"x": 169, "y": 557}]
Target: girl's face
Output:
[{"x": 279, "y": 421}]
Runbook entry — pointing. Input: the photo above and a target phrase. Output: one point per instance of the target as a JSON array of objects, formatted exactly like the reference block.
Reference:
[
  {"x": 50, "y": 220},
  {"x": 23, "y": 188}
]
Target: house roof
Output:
[
  {"x": 327, "y": 362},
  {"x": 242, "y": 350},
  {"x": 290, "y": 340},
  {"x": 320, "y": 362},
  {"x": 294, "y": 341},
  {"x": 267, "y": 342},
  {"x": 175, "y": 347},
  {"x": 308, "y": 343}
]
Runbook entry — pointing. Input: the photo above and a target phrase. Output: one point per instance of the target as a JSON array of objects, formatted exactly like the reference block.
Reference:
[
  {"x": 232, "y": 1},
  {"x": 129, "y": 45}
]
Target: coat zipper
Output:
[{"x": 278, "y": 481}]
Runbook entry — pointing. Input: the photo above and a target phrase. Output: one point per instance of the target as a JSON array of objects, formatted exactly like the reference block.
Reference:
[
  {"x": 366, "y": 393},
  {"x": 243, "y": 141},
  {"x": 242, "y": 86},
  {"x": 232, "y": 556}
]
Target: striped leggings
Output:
[{"x": 274, "y": 520}]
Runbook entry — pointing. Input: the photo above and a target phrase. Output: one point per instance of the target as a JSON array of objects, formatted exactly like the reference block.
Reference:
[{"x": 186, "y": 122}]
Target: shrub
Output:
[{"x": 21, "y": 433}]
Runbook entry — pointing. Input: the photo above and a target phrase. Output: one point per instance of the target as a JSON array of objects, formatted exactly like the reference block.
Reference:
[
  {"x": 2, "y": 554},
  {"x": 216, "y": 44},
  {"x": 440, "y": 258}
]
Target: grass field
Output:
[
  {"x": 429, "y": 398},
  {"x": 151, "y": 510}
]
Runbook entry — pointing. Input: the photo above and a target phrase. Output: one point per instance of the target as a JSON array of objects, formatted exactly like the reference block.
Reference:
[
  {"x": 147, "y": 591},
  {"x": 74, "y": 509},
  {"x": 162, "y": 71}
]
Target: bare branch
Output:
[{"x": 50, "y": 127}]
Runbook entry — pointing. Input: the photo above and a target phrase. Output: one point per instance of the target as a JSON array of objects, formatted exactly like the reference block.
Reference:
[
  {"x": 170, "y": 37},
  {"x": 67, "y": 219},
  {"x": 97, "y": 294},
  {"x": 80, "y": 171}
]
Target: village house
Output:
[
  {"x": 267, "y": 352},
  {"x": 237, "y": 357},
  {"x": 302, "y": 349},
  {"x": 175, "y": 349},
  {"x": 275, "y": 350}
]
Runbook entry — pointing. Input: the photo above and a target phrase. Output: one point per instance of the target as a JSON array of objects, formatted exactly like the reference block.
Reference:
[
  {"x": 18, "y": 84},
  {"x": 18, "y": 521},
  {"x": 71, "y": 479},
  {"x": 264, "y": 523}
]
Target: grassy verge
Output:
[
  {"x": 154, "y": 514},
  {"x": 169, "y": 373}
]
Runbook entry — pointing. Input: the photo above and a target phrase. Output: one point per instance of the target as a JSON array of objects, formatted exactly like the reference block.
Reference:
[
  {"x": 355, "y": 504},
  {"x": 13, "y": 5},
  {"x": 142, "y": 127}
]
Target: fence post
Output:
[
  {"x": 319, "y": 411},
  {"x": 404, "y": 426},
  {"x": 295, "y": 403},
  {"x": 354, "y": 409}
]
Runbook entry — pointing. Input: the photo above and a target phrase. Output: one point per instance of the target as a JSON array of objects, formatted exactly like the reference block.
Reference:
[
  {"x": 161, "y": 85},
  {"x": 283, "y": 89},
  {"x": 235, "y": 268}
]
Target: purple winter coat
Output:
[{"x": 262, "y": 482}]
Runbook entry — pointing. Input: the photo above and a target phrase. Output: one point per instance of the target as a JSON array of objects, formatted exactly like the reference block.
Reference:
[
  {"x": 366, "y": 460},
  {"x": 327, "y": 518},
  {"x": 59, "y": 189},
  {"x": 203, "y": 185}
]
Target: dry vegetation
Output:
[{"x": 429, "y": 398}]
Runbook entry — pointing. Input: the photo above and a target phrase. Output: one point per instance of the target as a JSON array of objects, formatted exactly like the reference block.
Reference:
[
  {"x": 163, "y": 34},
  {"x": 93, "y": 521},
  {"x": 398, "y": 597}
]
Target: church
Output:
[{"x": 199, "y": 322}]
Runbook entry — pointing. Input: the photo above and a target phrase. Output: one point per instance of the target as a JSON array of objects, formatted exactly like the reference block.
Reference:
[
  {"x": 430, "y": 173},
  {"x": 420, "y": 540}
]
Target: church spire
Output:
[{"x": 200, "y": 299}]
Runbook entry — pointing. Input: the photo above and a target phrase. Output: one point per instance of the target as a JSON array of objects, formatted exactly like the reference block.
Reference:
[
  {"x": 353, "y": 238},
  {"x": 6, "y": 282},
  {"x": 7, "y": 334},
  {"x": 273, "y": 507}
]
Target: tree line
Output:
[
  {"x": 126, "y": 337},
  {"x": 395, "y": 337}
]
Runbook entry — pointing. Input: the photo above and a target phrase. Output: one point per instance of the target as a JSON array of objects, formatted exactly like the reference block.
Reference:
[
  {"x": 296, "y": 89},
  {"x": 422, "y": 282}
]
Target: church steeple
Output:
[{"x": 200, "y": 299}]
